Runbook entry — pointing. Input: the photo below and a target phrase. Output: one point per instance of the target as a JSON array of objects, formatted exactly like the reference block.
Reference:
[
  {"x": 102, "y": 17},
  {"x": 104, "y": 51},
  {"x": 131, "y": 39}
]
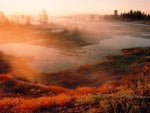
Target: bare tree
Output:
[
  {"x": 28, "y": 20},
  {"x": 2, "y": 18},
  {"x": 43, "y": 18}
]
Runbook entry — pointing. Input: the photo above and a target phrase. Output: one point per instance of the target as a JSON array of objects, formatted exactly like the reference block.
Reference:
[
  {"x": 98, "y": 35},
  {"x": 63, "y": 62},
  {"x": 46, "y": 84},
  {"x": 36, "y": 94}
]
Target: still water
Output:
[{"x": 48, "y": 59}]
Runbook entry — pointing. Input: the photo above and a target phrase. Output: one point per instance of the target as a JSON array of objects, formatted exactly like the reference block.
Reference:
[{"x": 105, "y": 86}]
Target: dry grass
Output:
[
  {"x": 107, "y": 97},
  {"x": 117, "y": 96},
  {"x": 28, "y": 105}
]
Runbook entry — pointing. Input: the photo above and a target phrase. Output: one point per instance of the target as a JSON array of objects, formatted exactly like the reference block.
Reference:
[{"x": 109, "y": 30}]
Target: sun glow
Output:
[{"x": 67, "y": 7}]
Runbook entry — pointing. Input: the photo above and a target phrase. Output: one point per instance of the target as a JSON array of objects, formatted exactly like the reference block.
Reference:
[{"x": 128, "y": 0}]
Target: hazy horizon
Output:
[{"x": 71, "y": 7}]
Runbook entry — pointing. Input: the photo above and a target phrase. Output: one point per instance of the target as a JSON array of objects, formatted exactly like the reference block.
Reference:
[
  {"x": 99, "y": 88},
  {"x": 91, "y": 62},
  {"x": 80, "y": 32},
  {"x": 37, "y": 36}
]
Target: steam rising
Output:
[{"x": 33, "y": 51}]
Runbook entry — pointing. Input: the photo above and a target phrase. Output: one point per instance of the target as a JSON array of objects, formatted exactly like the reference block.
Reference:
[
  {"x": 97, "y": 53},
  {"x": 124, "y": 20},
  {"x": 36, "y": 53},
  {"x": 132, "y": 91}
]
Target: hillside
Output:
[{"x": 126, "y": 91}]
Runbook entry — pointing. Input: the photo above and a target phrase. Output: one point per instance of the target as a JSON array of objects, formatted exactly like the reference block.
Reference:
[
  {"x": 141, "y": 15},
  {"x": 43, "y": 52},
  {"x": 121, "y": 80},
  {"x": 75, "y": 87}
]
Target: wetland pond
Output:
[{"x": 112, "y": 39}]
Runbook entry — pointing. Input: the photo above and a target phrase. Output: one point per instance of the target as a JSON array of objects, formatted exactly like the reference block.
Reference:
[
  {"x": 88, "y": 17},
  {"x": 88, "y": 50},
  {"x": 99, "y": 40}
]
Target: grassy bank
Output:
[{"x": 128, "y": 91}]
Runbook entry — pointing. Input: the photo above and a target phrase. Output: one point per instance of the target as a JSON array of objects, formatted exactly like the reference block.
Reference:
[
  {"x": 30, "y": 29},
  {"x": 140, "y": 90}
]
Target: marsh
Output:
[{"x": 60, "y": 47}]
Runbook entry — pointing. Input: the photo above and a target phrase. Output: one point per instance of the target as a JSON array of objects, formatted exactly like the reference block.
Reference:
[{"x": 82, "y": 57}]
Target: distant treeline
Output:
[
  {"x": 41, "y": 19},
  {"x": 128, "y": 16}
]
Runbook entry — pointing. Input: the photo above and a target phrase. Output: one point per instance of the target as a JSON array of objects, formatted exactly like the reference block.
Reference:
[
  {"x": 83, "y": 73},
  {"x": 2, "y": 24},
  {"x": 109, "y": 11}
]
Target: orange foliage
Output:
[
  {"x": 107, "y": 88},
  {"x": 28, "y": 105},
  {"x": 58, "y": 89},
  {"x": 84, "y": 91}
]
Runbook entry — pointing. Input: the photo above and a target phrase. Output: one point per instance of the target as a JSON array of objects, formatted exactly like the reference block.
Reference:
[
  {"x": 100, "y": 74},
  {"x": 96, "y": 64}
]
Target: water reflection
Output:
[
  {"x": 110, "y": 37},
  {"x": 120, "y": 42},
  {"x": 50, "y": 60}
]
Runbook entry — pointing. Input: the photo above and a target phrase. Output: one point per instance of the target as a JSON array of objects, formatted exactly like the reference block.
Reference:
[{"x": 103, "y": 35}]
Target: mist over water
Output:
[{"x": 110, "y": 38}]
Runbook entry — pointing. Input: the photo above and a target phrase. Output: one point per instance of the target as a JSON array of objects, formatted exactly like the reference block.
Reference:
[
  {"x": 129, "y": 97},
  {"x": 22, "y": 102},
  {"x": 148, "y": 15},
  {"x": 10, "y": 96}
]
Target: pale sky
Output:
[{"x": 69, "y": 7}]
